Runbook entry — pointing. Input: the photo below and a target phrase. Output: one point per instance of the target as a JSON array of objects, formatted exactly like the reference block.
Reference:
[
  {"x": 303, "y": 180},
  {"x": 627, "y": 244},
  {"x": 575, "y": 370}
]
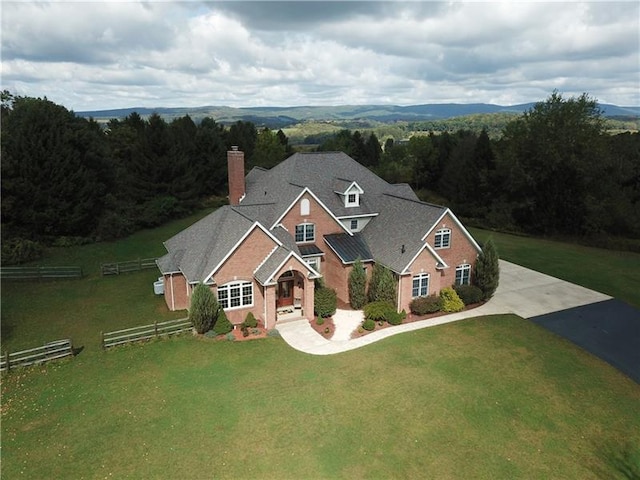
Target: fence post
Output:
[
  {"x": 155, "y": 328},
  {"x": 102, "y": 340},
  {"x": 6, "y": 360}
]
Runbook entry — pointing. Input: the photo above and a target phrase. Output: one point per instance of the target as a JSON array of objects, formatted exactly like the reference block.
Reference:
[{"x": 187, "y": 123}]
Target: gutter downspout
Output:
[{"x": 173, "y": 299}]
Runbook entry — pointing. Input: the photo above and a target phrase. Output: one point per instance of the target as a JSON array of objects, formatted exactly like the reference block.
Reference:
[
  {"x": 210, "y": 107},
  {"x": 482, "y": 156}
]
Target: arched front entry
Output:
[{"x": 290, "y": 294}]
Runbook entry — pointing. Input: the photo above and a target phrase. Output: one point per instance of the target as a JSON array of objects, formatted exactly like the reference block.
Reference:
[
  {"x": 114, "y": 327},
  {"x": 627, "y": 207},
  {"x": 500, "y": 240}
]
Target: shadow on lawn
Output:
[{"x": 621, "y": 458}]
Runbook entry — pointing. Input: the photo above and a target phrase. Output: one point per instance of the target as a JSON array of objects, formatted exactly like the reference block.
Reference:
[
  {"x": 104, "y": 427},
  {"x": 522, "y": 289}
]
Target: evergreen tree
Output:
[
  {"x": 382, "y": 285},
  {"x": 54, "y": 171},
  {"x": 487, "y": 274},
  {"x": 222, "y": 324},
  {"x": 204, "y": 308},
  {"x": 357, "y": 286}
]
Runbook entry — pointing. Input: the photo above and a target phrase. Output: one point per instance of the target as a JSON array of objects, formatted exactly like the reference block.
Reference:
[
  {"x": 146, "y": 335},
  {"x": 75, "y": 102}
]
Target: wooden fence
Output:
[
  {"x": 49, "y": 351},
  {"x": 145, "y": 332},
  {"x": 116, "y": 268},
  {"x": 39, "y": 273}
]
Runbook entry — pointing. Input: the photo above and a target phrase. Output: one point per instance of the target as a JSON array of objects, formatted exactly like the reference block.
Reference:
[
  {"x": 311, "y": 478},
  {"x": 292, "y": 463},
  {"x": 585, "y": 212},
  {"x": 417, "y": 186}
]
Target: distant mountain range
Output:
[{"x": 279, "y": 117}]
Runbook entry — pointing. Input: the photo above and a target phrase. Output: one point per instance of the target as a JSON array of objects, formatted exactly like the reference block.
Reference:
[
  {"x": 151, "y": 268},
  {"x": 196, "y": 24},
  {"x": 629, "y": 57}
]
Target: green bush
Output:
[
  {"x": 273, "y": 333},
  {"x": 222, "y": 325},
  {"x": 250, "y": 321},
  {"x": 377, "y": 311},
  {"x": 469, "y": 294},
  {"x": 204, "y": 308},
  {"x": 369, "y": 325},
  {"x": 230, "y": 336},
  {"x": 397, "y": 318},
  {"x": 450, "y": 300},
  {"x": 425, "y": 305},
  {"x": 319, "y": 320},
  {"x": 20, "y": 250},
  {"x": 325, "y": 302}
]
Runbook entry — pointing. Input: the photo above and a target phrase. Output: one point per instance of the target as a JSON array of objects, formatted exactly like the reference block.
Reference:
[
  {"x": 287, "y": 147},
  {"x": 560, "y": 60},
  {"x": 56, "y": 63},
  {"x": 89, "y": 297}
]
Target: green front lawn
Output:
[{"x": 492, "y": 397}]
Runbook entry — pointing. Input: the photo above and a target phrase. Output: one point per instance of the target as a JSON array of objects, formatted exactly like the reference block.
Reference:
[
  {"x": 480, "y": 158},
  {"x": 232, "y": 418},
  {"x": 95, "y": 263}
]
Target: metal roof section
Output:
[
  {"x": 349, "y": 247},
  {"x": 310, "y": 250}
]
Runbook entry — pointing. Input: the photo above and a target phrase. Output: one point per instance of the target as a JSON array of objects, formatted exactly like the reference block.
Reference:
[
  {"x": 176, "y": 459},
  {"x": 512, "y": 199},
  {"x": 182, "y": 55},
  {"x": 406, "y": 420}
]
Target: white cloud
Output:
[{"x": 108, "y": 55}]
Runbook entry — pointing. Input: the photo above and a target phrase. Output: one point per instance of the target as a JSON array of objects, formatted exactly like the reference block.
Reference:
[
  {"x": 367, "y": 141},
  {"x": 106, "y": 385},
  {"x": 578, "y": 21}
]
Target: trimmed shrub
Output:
[
  {"x": 382, "y": 286},
  {"x": 357, "y": 286},
  {"x": 377, "y": 311},
  {"x": 273, "y": 333},
  {"x": 204, "y": 308},
  {"x": 396, "y": 318},
  {"x": 369, "y": 325},
  {"x": 250, "y": 321},
  {"x": 319, "y": 320},
  {"x": 487, "y": 274},
  {"x": 469, "y": 294},
  {"x": 325, "y": 302},
  {"x": 450, "y": 300},
  {"x": 230, "y": 336},
  {"x": 222, "y": 325},
  {"x": 425, "y": 305}
]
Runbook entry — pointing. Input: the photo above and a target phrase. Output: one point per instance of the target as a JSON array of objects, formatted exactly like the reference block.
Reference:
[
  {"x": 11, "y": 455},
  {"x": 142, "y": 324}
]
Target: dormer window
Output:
[
  {"x": 351, "y": 195},
  {"x": 353, "y": 200}
]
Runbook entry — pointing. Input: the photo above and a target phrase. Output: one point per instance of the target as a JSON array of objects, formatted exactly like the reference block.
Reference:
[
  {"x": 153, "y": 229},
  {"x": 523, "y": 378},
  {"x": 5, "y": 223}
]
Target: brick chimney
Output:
[{"x": 235, "y": 167}]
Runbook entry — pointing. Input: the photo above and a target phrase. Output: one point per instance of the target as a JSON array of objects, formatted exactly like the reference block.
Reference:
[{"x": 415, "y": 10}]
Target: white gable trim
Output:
[
  {"x": 426, "y": 246},
  {"x": 353, "y": 188},
  {"x": 272, "y": 281},
  {"x": 306, "y": 190},
  {"x": 458, "y": 223},
  {"x": 238, "y": 243},
  {"x": 364, "y": 215}
]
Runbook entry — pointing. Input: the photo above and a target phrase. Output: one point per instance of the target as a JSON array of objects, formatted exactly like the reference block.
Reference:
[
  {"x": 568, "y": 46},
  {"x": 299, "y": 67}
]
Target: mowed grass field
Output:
[{"x": 491, "y": 397}]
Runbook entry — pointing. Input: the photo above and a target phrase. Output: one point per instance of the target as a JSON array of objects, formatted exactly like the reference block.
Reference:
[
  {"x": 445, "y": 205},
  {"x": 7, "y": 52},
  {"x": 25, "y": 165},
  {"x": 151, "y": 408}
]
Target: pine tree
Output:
[
  {"x": 357, "y": 286},
  {"x": 382, "y": 286},
  {"x": 488, "y": 270},
  {"x": 204, "y": 308}
]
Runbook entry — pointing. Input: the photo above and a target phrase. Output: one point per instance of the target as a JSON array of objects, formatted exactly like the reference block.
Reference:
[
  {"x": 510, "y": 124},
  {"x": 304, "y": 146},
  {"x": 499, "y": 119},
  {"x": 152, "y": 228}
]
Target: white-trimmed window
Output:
[
  {"x": 420, "y": 285},
  {"x": 463, "y": 274},
  {"x": 354, "y": 225},
  {"x": 313, "y": 262},
  {"x": 235, "y": 295},
  {"x": 305, "y": 207},
  {"x": 443, "y": 238},
  {"x": 305, "y": 232}
]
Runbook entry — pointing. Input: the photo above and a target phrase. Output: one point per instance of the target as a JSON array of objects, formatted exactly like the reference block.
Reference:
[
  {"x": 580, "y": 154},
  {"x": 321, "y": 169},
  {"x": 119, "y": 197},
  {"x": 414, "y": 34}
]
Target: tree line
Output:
[
  {"x": 554, "y": 171},
  {"x": 67, "y": 179}
]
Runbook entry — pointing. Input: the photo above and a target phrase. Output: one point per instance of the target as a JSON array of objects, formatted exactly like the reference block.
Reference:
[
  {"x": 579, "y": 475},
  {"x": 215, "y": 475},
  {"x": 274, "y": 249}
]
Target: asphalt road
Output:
[{"x": 609, "y": 330}]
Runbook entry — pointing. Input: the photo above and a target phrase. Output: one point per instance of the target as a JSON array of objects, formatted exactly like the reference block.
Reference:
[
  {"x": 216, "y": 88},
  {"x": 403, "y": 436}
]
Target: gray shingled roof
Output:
[
  {"x": 272, "y": 262},
  {"x": 206, "y": 243},
  {"x": 400, "y": 222},
  {"x": 349, "y": 248},
  {"x": 402, "y": 219}
]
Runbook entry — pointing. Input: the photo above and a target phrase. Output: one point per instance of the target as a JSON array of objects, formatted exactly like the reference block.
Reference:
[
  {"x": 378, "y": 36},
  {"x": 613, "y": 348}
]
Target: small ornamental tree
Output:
[
  {"x": 222, "y": 325},
  {"x": 487, "y": 274},
  {"x": 382, "y": 286},
  {"x": 204, "y": 308},
  {"x": 250, "y": 321},
  {"x": 357, "y": 286}
]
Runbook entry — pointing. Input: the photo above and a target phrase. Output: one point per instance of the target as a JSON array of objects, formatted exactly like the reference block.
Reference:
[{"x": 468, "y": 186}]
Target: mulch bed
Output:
[
  {"x": 326, "y": 329},
  {"x": 360, "y": 332}
]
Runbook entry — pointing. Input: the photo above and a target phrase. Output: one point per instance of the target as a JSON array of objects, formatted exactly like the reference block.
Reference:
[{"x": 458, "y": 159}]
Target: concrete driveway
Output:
[{"x": 522, "y": 291}]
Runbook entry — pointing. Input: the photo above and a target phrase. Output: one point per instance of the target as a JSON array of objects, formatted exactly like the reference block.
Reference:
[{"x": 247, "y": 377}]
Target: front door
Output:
[{"x": 285, "y": 293}]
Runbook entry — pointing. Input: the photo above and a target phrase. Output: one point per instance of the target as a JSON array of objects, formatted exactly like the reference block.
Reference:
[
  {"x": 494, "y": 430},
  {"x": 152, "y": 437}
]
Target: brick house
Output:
[{"x": 312, "y": 216}]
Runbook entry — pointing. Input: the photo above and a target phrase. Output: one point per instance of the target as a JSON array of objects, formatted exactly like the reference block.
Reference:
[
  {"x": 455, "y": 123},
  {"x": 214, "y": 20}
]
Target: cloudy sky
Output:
[{"x": 101, "y": 55}]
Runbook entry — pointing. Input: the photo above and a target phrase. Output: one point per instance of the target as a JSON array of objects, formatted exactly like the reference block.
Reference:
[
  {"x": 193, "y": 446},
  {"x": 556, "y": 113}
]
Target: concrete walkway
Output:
[{"x": 522, "y": 291}]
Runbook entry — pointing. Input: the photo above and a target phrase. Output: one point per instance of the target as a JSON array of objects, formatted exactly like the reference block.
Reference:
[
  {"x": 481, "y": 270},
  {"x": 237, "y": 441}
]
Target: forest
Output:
[{"x": 554, "y": 171}]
